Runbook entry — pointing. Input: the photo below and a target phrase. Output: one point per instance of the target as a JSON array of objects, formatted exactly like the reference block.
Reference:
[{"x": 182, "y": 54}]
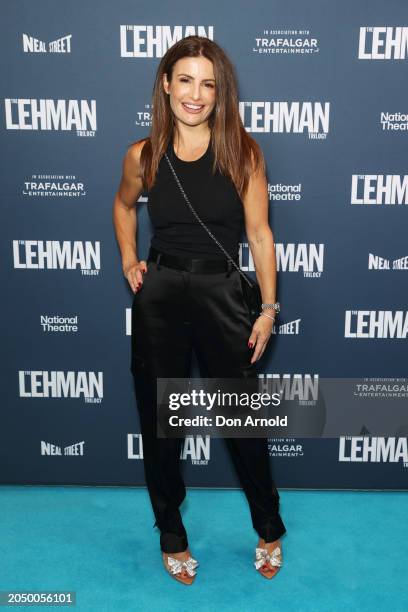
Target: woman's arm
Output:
[
  {"x": 260, "y": 236},
  {"x": 262, "y": 245},
  {"x": 125, "y": 217}
]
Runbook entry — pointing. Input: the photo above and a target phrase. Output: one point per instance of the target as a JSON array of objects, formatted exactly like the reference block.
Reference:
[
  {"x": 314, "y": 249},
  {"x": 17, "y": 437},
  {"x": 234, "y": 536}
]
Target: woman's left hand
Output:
[{"x": 261, "y": 332}]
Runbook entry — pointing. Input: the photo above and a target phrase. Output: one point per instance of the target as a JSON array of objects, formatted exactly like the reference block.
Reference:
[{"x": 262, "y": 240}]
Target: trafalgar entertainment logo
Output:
[
  {"x": 375, "y": 324},
  {"x": 394, "y": 122},
  {"x": 58, "y": 255},
  {"x": 51, "y": 115},
  {"x": 304, "y": 388},
  {"x": 144, "y": 117},
  {"x": 376, "y": 262},
  {"x": 56, "y": 323},
  {"x": 285, "y": 447},
  {"x": 373, "y": 449},
  {"x": 383, "y": 43},
  {"x": 154, "y": 40},
  {"x": 290, "y": 257},
  {"x": 53, "y": 186},
  {"x": 284, "y": 193},
  {"x": 49, "y": 449},
  {"x": 195, "y": 448},
  {"x": 382, "y": 388},
  {"x": 35, "y": 45},
  {"x": 286, "y": 42},
  {"x": 312, "y": 118},
  {"x": 388, "y": 189},
  {"x": 61, "y": 384}
]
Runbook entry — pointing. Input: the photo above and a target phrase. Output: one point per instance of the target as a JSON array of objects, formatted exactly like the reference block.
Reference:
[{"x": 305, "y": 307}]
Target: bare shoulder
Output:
[
  {"x": 132, "y": 157},
  {"x": 131, "y": 182}
]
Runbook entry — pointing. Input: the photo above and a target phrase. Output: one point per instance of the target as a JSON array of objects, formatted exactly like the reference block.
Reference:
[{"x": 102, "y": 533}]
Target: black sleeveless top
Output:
[{"x": 215, "y": 199}]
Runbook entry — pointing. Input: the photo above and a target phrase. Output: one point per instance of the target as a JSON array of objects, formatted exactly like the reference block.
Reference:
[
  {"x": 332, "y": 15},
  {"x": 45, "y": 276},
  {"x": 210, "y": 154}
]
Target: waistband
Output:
[{"x": 190, "y": 264}]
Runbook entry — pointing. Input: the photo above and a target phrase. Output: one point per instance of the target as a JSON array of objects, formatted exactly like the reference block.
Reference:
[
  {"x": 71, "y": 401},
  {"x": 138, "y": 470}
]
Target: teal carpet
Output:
[{"x": 342, "y": 550}]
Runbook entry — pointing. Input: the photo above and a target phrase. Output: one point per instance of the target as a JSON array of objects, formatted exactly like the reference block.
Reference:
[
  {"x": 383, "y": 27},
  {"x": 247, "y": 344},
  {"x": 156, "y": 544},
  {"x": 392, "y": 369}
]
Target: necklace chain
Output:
[{"x": 203, "y": 224}]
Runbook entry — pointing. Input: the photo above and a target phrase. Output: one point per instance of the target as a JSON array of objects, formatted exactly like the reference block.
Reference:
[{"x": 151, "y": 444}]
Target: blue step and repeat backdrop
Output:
[{"x": 323, "y": 89}]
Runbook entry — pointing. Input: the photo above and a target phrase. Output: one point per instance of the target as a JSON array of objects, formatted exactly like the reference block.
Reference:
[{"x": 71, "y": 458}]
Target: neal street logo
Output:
[
  {"x": 60, "y": 384},
  {"x": 34, "y": 45},
  {"x": 49, "y": 449},
  {"x": 375, "y": 262}
]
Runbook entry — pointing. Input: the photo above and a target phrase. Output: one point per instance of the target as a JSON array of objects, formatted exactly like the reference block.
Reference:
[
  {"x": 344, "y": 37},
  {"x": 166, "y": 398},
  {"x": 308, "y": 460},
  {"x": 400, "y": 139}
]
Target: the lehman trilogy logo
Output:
[
  {"x": 34, "y": 45},
  {"x": 375, "y": 449},
  {"x": 376, "y": 324},
  {"x": 60, "y": 384},
  {"x": 383, "y": 43},
  {"x": 290, "y": 257},
  {"x": 53, "y": 255},
  {"x": 51, "y": 115},
  {"x": 196, "y": 448},
  {"x": 153, "y": 41},
  {"x": 379, "y": 189},
  {"x": 304, "y": 388},
  {"x": 311, "y": 118}
]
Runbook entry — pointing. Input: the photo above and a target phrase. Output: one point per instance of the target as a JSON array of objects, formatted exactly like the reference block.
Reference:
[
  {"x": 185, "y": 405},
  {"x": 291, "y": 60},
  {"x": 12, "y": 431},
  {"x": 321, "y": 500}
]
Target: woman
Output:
[{"x": 188, "y": 297}]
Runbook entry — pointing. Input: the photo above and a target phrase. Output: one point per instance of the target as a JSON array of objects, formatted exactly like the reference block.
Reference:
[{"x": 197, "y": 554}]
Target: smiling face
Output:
[{"x": 191, "y": 90}]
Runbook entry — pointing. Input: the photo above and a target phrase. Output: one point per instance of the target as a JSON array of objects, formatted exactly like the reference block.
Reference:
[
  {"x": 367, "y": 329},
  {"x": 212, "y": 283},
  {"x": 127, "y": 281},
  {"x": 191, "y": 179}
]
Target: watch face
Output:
[{"x": 277, "y": 307}]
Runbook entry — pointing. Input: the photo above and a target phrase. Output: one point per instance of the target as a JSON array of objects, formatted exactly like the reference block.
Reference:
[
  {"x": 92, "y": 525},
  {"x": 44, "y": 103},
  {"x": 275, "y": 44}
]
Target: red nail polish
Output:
[{"x": 250, "y": 344}]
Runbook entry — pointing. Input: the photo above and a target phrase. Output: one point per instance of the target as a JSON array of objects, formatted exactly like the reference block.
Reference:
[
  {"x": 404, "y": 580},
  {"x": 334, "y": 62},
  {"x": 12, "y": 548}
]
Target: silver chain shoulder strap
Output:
[{"x": 203, "y": 224}]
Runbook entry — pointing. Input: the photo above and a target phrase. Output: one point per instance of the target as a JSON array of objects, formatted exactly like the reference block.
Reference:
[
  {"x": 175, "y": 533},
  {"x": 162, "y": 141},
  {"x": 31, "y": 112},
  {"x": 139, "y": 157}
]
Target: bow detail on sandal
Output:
[
  {"x": 177, "y": 566},
  {"x": 262, "y": 556}
]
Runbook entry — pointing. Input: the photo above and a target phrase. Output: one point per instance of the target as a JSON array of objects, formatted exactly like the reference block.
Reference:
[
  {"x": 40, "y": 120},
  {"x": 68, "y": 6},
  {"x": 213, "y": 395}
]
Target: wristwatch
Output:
[{"x": 275, "y": 307}]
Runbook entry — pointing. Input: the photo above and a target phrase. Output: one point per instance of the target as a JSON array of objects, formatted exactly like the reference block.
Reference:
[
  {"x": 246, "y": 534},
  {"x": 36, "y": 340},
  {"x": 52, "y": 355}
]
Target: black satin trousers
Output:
[{"x": 174, "y": 312}]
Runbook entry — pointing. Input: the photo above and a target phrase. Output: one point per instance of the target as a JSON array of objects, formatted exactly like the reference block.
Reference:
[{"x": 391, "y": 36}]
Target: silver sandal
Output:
[
  {"x": 177, "y": 566},
  {"x": 262, "y": 557}
]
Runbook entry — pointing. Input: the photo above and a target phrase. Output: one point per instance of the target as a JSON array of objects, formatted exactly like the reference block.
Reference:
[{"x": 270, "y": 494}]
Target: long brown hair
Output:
[{"x": 233, "y": 147}]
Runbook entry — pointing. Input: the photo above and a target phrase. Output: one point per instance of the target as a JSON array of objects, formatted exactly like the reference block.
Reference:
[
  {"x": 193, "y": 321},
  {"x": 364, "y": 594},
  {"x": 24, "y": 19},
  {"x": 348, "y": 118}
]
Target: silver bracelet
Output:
[{"x": 266, "y": 315}]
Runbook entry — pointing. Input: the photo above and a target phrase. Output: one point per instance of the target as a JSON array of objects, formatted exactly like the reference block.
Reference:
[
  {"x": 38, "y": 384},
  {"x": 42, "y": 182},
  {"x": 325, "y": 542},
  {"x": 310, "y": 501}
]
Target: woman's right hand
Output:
[{"x": 134, "y": 274}]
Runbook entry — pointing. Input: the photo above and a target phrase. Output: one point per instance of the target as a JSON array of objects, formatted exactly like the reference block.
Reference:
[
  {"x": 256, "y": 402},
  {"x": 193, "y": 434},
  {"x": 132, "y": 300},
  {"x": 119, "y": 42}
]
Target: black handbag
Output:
[{"x": 251, "y": 290}]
